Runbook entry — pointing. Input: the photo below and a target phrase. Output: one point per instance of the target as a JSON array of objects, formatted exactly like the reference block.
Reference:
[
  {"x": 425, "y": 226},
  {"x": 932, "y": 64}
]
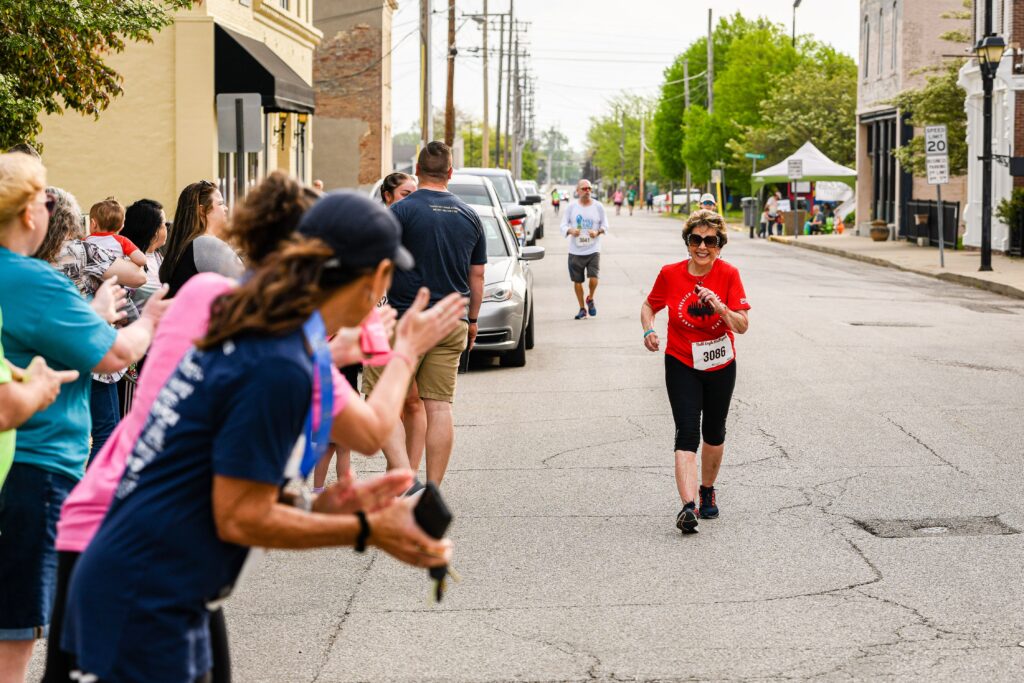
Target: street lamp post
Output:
[
  {"x": 796, "y": 3},
  {"x": 989, "y": 52}
]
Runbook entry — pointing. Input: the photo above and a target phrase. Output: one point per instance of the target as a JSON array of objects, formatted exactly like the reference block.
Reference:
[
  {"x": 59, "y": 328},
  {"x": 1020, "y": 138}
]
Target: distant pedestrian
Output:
[
  {"x": 395, "y": 187},
  {"x": 617, "y": 199},
  {"x": 584, "y": 223},
  {"x": 771, "y": 207},
  {"x": 631, "y": 199},
  {"x": 707, "y": 202},
  {"x": 707, "y": 305},
  {"x": 318, "y": 185},
  {"x": 556, "y": 199},
  {"x": 650, "y": 202}
]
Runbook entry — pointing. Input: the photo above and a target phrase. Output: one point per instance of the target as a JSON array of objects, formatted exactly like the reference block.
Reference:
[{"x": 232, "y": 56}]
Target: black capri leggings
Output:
[{"x": 692, "y": 392}]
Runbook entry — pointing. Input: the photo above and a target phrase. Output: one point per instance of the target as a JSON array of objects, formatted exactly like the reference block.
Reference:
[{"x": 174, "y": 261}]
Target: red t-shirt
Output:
[
  {"x": 127, "y": 246},
  {"x": 689, "y": 320}
]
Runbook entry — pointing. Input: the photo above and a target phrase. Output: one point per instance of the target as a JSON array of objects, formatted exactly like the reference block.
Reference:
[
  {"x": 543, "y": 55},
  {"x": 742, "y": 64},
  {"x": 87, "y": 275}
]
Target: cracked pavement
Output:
[{"x": 562, "y": 487}]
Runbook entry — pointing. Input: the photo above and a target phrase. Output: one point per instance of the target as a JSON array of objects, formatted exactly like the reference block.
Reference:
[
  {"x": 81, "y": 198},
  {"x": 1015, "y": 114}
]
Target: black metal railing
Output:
[{"x": 911, "y": 230}]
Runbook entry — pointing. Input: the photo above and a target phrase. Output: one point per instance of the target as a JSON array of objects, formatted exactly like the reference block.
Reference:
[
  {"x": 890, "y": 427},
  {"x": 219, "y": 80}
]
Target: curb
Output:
[{"x": 956, "y": 278}]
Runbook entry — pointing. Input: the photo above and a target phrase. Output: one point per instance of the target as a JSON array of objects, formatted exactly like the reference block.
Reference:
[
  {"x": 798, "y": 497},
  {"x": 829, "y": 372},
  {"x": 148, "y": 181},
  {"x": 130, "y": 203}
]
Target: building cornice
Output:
[{"x": 269, "y": 14}]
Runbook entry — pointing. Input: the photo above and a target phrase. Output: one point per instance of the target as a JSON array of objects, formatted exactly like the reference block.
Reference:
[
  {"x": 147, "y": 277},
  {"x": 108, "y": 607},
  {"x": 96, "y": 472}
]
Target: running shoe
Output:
[
  {"x": 708, "y": 504},
  {"x": 686, "y": 520},
  {"x": 582, "y": 314},
  {"x": 416, "y": 487},
  {"x": 591, "y": 308}
]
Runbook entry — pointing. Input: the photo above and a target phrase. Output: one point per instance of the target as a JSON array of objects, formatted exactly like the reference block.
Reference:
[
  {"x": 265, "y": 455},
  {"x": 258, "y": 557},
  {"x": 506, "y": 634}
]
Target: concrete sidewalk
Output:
[{"x": 1006, "y": 276}]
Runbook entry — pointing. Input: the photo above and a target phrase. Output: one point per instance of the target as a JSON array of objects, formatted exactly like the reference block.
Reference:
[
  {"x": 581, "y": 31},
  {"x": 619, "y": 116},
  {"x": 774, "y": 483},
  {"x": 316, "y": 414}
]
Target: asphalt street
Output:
[{"x": 868, "y": 401}]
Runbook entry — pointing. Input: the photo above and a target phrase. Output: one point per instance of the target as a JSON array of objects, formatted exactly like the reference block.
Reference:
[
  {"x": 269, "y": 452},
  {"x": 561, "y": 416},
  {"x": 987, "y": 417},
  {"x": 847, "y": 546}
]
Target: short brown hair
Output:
[
  {"x": 435, "y": 161},
  {"x": 703, "y": 217},
  {"x": 108, "y": 214}
]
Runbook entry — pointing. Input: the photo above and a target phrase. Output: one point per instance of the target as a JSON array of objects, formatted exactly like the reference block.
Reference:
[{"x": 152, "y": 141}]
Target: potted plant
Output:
[
  {"x": 1011, "y": 213},
  {"x": 879, "y": 230}
]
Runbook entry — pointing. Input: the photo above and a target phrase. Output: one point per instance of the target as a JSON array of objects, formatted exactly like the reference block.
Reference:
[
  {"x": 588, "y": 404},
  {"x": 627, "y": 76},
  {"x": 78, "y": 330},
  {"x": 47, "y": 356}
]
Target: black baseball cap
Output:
[{"x": 361, "y": 232}]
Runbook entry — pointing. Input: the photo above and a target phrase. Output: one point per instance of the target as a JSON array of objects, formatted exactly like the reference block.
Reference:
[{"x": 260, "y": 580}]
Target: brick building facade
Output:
[
  {"x": 898, "y": 38},
  {"x": 352, "y": 79}
]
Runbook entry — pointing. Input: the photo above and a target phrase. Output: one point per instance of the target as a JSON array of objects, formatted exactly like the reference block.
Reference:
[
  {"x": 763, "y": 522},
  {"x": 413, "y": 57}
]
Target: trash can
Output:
[{"x": 749, "y": 211}]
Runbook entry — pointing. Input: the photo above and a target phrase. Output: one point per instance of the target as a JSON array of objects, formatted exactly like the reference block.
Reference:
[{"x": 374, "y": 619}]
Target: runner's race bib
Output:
[
  {"x": 711, "y": 354},
  {"x": 584, "y": 238}
]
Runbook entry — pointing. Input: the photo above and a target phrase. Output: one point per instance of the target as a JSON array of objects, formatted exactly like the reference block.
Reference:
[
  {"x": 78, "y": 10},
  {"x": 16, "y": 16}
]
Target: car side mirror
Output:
[
  {"x": 531, "y": 199},
  {"x": 531, "y": 253},
  {"x": 515, "y": 212}
]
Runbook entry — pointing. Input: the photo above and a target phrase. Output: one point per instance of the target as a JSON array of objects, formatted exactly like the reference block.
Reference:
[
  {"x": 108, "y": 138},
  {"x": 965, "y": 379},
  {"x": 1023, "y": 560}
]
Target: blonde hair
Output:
[
  {"x": 22, "y": 177},
  {"x": 707, "y": 218}
]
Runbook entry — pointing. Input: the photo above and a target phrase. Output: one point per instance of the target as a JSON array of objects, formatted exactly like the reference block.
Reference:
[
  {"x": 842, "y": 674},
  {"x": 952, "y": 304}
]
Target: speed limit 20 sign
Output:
[
  {"x": 935, "y": 141},
  {"x": 936, "y": 152}
]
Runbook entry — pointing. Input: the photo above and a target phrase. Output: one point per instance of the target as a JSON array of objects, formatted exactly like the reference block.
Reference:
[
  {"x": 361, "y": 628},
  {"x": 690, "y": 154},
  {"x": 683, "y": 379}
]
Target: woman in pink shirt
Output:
[{"x": 268, "y": 217}]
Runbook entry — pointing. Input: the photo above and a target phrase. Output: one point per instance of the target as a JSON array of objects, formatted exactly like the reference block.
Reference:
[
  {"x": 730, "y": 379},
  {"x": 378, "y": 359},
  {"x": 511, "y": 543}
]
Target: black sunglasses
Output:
[{"x": 708, "y": 240}]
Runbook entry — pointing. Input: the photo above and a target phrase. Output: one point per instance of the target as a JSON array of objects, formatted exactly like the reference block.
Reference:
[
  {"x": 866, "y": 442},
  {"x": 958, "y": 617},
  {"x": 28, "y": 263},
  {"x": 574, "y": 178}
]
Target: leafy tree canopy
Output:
[
  {"x": 817, "y": 101},
  {"x": 53, "y": 56}
]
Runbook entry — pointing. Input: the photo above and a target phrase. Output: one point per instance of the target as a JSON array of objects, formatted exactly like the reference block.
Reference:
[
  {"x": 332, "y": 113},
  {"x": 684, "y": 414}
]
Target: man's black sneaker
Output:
[
  {"x": 686, "y": 520},
  {"x": 708, "y": 506}
]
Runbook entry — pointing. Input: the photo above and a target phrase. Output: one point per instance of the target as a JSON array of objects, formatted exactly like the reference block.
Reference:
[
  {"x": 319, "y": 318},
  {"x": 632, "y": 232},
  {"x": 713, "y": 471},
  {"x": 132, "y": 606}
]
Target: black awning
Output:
[{"x": 244, "y": 64}]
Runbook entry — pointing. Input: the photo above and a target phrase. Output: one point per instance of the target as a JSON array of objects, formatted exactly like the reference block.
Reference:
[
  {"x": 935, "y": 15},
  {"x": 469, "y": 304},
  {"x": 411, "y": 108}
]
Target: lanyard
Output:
[{"x": 323, "y": 385}]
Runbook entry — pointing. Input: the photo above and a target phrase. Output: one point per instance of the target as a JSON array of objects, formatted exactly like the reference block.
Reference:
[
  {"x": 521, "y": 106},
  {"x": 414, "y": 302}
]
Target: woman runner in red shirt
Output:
[{"x": 706, "y": 305}]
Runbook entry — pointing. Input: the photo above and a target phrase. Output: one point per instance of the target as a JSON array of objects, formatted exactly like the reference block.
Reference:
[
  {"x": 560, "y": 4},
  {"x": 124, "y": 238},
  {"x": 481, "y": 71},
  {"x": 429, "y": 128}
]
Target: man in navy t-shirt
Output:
[{"x": 447, "y": 239}]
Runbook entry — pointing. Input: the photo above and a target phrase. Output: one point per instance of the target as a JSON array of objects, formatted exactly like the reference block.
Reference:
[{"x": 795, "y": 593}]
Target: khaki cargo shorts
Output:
[{"x": 436, "y": 371}]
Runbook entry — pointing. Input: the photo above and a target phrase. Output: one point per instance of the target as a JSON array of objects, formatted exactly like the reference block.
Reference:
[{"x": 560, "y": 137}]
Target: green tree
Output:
[
  {"x": 613, "y": 140},
  {"x": 667, "y": 140},
  {"x": 53, "y": 56},
  {"x": 817, "y": 101}
]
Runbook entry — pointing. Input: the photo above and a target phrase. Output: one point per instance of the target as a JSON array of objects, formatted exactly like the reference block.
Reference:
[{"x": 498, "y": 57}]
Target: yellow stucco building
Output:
[{"x": 161, "y": 134}]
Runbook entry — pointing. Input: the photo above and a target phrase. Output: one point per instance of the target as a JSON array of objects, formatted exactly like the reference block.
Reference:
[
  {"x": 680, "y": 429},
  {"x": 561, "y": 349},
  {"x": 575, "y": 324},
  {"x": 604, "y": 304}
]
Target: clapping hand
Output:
[
  {"x": 351, "y": 495},
  {"x": 47, "y": 380},
  {"x": 110, "y": 300}
]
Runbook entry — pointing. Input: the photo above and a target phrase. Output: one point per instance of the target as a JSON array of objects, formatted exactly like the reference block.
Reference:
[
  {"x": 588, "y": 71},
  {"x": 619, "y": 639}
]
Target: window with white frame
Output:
[
  {"x": 867, "y": 47},
  {"x": 881, "y": 41},
  {"x": 895, "y": 28}
]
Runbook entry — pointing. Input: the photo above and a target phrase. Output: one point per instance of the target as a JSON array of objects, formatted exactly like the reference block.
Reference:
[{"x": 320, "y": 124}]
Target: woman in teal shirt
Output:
[{"x": 45, "y": 316}]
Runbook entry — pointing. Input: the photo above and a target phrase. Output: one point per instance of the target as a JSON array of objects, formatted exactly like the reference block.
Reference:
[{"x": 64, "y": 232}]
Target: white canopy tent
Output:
[{"x": 817, "y": 167}]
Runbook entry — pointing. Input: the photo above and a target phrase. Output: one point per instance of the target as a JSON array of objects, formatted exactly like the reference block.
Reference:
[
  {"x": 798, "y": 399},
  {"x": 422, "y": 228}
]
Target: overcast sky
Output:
[{"x": 585, "y": 52}]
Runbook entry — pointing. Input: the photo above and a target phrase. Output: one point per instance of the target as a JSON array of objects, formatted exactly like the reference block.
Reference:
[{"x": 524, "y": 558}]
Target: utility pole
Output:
[
  {"x": 449, "y": 98},
  {"x": 686, "y": 105},
  {"x": 711, "y": 68},
  {"x": 426, "y": 125},
  {"x": 518, "y": 111},
  {"x": 507, "y": 152},
  {"x": 642, "y": 190},
  {"x": 622, "y": 146},
  {"x": 501, "y": 74},
  {"x": 485, "y": 135}
]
